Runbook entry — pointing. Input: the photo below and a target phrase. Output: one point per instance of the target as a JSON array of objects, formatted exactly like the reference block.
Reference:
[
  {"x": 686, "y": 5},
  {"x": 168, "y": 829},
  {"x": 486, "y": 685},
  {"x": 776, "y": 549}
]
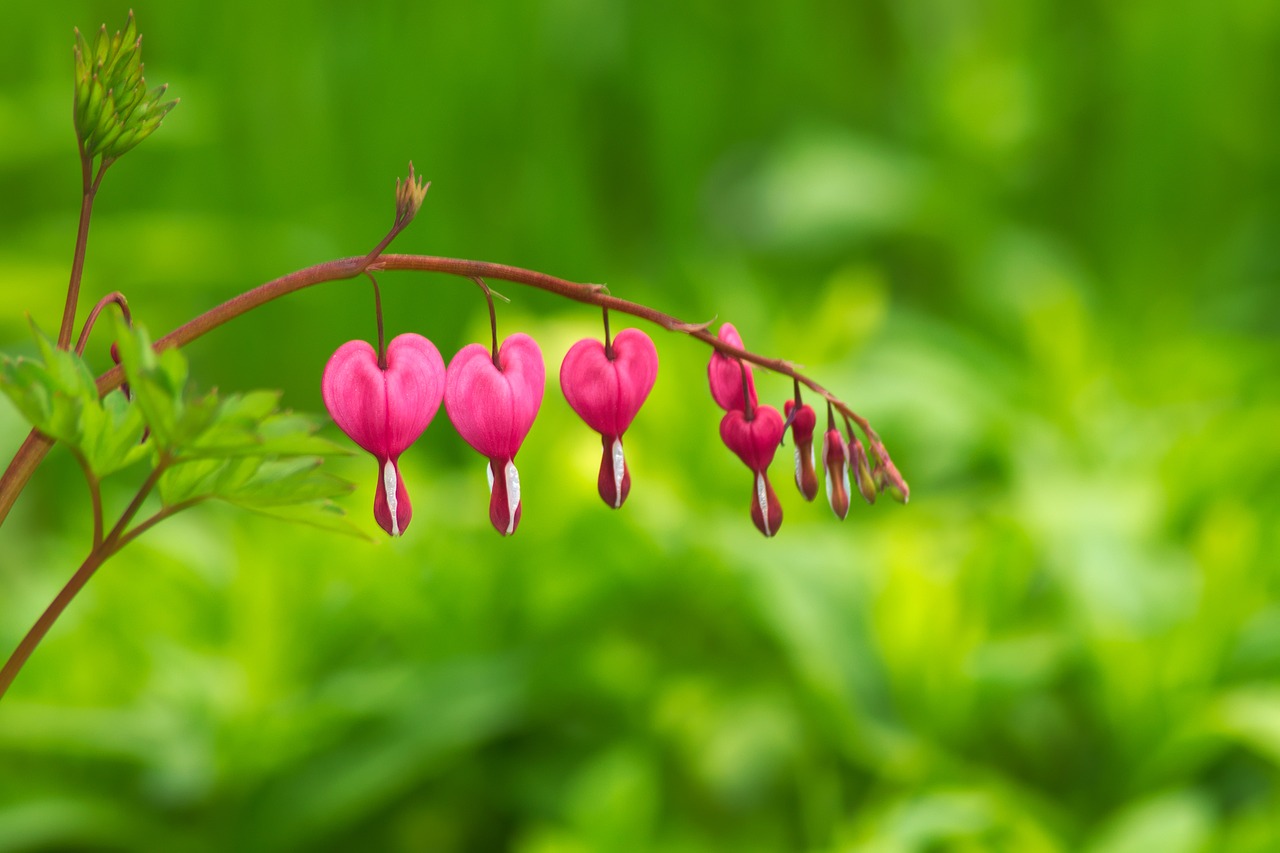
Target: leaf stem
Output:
[
  {"x": 102, "y": 549},
  {"x": 377, "y": 310},
  {"x": 48, "y": 617},
  {"x": 95, "y": 497},
  {"x": 114, "y": 297},
  {"x": 90, "y": 185}
]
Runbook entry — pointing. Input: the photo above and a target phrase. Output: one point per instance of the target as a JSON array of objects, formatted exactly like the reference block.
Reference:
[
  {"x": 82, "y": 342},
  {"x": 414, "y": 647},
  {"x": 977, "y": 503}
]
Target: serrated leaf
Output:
[
  {"x": 112, "y": 435},
  {"x": 185, "y": 481},
  {"x": 53, "y": 394},
  {"x": 283, "y": 481},
  {"x": 325, "y": 515}
]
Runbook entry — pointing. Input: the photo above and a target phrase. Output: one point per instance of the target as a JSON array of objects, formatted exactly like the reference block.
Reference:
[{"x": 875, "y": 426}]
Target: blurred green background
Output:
[{"x": 1037, "y": 244}]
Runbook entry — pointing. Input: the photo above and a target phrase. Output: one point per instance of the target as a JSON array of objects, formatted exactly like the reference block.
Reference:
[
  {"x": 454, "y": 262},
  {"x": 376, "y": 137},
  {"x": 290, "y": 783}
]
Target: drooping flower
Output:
[
  {"x": 885, "y": 474},
  {"x": 861, "y": 469},
  {"x": 835, "y": 459},
  {"x": 755, "y": 440},
  {"x": 493, "y": 406},
  {"x": 385, "y": 409},
  {"x": 606, "y": 387},
  {"x": 803, "y": 420},
  {"x": 728, "y": 375}
]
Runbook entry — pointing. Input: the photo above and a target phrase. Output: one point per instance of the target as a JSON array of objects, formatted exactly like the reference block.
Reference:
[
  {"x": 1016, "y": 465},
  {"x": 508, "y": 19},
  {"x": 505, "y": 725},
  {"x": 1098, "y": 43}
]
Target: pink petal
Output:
[
  {"x": 415, "y": 386},
  {"x": 608, "y": 394},
  {"x": 725, "y": 374},
  {"x": 384, "y": 411},
  {"x": 755, "y": 440},
  {"x": 494, "y": 409}
]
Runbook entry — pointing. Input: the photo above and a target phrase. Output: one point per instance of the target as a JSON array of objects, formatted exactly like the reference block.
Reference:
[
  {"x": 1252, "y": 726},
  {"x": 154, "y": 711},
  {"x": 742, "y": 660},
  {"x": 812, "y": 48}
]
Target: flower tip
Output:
[
  {"x": 614, "y": 480},
  {"x": 391, "y": 507},
  {"x": 504, "y": 496},
  {"x": 766, "y": 509}
]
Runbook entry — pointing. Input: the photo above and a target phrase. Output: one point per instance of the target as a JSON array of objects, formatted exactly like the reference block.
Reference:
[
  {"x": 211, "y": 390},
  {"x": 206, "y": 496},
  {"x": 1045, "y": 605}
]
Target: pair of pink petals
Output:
[
  {"x": 750, "y": 430},
  {"x": 385, "y": 410},
  {"x": 607, "y": 391},
  {"x": 493, "y": 406}
]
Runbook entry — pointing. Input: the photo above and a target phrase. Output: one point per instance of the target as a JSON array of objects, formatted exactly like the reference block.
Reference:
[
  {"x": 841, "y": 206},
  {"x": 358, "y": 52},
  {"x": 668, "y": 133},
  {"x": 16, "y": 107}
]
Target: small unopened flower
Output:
[
  {"x": 385, "y": 409},
  {"x": 409, "y": 197},
  {"x": 755, "y": 439},
  {"x": 803, "y": 421},
  {"x": 606, "y": 387},
  {"x": 835, "y": 460},
  {"x": 729, "y": 376},
  {"x": 861, "y": 469},
  {"x": 493, "y": 407},
  {"x": 886, "y": 476}
]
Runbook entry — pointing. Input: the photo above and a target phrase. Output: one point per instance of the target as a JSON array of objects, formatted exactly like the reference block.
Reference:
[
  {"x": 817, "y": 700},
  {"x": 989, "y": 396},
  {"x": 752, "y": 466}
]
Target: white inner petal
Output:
[
  {"x": 513, "y": 495},
  {"x": 826, "y": 465},
  {"x": 762, "y": 497},
  {"x": 389, "y": 481},
  {"x": 488, "y": 472},
  {"x": 799, "y": 469},
  {"x": 619, "y": 471}
]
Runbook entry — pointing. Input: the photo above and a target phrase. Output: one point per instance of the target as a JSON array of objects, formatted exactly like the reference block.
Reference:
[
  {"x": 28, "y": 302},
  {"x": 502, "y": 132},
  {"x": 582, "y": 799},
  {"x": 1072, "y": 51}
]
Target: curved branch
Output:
[{"x": 36, "y": 445}]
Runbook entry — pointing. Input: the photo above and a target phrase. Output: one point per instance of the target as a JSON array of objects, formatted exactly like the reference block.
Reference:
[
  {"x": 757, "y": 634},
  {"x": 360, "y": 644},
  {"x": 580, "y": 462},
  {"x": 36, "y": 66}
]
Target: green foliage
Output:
[
  {"x": 59, "y": 396},
  {"x": 241, "y": 449}
]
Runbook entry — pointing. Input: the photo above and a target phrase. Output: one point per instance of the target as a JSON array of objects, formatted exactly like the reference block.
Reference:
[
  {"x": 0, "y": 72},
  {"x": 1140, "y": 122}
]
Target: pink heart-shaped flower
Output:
[
  {"x": 384, "y": 411},
  {"x": 755, "y": 441},
  {"x": 607, "y": 393},
  {"x": 493, "y": 407},
  {"x": 726, "y": 374}
]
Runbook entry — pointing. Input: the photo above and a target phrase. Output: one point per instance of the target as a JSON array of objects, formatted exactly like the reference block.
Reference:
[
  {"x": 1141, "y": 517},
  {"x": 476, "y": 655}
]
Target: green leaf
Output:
[
  {"x": 325, "y": 515},
  {"x": 112, "y": 435},
  {"x": 52, "y": 394}
]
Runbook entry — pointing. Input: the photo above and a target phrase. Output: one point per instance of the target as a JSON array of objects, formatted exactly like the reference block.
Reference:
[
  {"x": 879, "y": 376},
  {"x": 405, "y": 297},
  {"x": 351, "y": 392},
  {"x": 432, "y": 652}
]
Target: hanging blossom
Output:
[
  {"x": 384, "y": 408},
  {"x": 492, "y": 401},
  {"x": 606, "y": 383},
  {"x": 803, "y": 420},
  {"x": 754, "y": 437},
  {"x": 750, "y": 430},
  {"x": 835, "y": 461}
]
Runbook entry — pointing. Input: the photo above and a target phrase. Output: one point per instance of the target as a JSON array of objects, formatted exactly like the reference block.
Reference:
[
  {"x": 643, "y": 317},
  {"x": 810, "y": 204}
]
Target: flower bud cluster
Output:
[{"x": 114, "y": 110}]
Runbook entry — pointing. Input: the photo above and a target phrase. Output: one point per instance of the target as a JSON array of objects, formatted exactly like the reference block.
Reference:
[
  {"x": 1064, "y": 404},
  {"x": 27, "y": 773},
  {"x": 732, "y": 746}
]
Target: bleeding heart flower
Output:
[
  {"x": 493, "y": 407},
  {"x": 803, "y": 420},
  {"x": 606, "y": 389},
  {"x": 835, "y": 459},
  {"x": 726, "y": 375},
  {"x": 755, "y": 441},
  {"x": 385, "y": 409}
]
